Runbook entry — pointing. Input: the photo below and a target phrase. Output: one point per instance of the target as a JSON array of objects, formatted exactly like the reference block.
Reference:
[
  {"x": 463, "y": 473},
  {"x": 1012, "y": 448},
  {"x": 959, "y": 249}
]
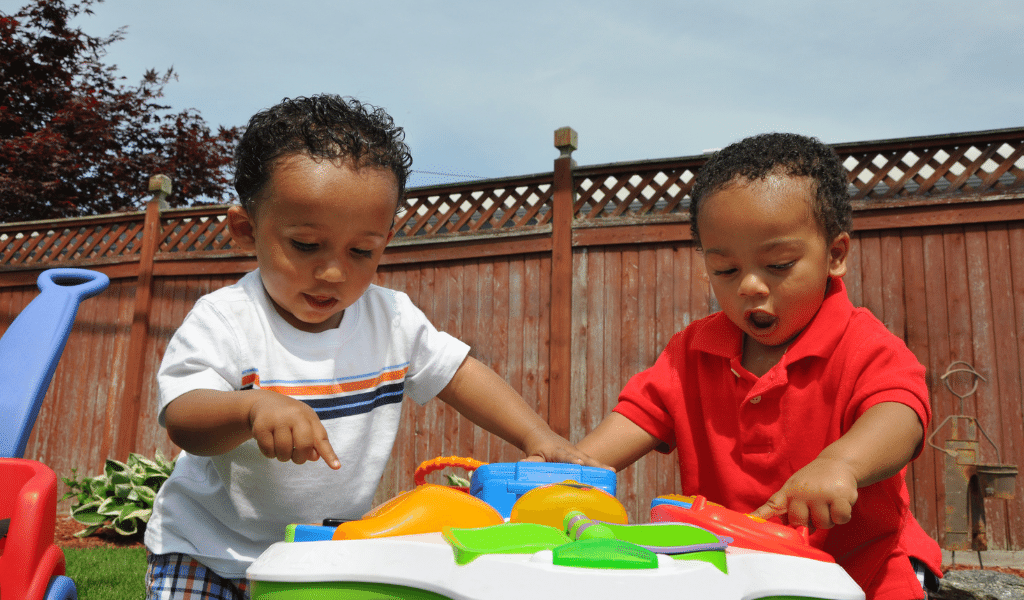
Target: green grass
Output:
[{"x": 108, "y": 573}]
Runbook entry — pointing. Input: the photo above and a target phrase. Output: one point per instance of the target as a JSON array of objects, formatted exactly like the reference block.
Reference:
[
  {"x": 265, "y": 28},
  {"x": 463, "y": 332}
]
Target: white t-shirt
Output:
[{"x": 226, "y": 510}]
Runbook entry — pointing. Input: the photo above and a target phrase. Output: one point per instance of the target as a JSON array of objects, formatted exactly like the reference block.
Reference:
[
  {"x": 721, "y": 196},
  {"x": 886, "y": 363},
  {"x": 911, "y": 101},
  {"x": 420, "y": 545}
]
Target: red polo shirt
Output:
[{"x": 741, "y": 437}]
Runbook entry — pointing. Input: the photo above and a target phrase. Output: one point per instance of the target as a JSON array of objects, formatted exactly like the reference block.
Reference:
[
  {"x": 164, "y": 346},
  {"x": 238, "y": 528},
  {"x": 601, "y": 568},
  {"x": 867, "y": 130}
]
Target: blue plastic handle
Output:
[
  {"x": 78, "y": 284},
  {"x": 32, "y": 346}
]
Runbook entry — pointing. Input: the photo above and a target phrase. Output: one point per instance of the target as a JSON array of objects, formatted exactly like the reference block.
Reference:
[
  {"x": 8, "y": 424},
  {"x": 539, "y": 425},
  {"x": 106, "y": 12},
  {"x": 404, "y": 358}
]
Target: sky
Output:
[{"x": 481, "y": 86}]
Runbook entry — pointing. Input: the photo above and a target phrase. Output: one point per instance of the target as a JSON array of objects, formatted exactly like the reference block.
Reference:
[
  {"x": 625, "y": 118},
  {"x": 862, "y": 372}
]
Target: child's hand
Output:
[
  {"x": 820, "y": 495},
  {"x": 547, "y": 446},
  {"x": 287, "y": 429}
]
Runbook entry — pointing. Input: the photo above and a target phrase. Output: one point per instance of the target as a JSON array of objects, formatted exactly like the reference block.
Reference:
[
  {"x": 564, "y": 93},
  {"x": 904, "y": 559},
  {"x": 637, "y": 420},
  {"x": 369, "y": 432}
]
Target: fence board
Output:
[
  {"x": 441, "y": 315},
  {"x": 1014, "y": 397},
  {"x": 516, "y": 314},
  {"x": 469, "y": 322},
  {"x": 643, "y": 356},
  {"x": 921, "y": 473},
  {"x": 626, "y": 292},
  {"x": 872, "y": 277},
  {"x": 1009, "y": 431},
  {"x": 583, "y": 420},
  {"x": 986, "y": 398},
  {"x": 502, "y": 305},
  {"x": 673, "y": 267},
  {"x": 533, "y": 338},
  {"x": 894, "y": 279},
  {"x": 486, "y": 342},
  {"x": 933, "y": 244},
  {"x": 853, "y": 272}
]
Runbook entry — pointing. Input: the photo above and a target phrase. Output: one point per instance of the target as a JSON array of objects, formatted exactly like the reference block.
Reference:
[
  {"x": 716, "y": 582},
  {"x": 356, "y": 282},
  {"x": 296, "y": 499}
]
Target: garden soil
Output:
[{"x": 68, "y": 527}]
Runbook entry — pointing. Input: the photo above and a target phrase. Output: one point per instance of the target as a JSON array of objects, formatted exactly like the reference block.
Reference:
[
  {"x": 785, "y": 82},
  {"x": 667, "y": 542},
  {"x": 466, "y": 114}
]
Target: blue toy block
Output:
[{"x": 501, "y": 484}]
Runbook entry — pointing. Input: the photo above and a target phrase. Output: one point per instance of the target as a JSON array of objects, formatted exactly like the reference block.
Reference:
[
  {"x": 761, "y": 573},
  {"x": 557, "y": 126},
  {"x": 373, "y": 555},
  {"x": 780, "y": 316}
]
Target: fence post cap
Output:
[
  {"x": 566, "y": 140},
  {"x": 160, "y": 187},
  {"x": 160, "y": 183}
]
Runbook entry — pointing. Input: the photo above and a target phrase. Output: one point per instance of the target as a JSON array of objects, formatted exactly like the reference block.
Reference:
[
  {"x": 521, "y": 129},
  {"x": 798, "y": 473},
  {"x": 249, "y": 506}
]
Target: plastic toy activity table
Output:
[{"x": 559, "y": 538}]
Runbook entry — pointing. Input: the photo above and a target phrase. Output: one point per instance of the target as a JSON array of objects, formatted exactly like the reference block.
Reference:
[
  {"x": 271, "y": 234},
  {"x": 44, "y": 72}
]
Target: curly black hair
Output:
[
  {"x": 759, "y": 156},
  {"x": 324, "y": 126}
]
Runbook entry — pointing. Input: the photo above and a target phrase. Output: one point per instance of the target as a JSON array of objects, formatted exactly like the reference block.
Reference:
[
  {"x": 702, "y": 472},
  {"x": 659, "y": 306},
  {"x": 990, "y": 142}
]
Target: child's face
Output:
[
  {"x": 318, "y": 235},
  {"x": 766, "y": 256}
]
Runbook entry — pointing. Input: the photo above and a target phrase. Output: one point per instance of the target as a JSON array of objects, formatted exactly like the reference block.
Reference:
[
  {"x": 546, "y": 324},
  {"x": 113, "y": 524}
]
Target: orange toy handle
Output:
[{"x": 435, "y": 464}]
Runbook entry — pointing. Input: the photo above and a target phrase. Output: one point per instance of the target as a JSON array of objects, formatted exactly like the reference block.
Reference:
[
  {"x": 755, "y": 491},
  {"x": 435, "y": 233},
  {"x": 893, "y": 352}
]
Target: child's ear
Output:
[
  {"x": 837, "y": 254},
  {"x": 242, "y": 228}
]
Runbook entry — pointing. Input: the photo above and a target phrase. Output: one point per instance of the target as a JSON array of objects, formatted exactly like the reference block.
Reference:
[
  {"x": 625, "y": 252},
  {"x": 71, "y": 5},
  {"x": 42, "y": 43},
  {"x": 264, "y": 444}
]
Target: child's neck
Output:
[{"x": 758, "y": 358}]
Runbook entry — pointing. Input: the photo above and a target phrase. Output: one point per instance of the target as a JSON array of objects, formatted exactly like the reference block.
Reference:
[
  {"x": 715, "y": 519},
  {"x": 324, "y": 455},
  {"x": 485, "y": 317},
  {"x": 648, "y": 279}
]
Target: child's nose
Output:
[
  {"x": 332, "y": 272},
  {"x": 753, "y": 285}
]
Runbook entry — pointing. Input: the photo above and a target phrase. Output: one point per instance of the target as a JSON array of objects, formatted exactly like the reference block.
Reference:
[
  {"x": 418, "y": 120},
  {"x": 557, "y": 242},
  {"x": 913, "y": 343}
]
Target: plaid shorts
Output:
[{"x": 177, "y": 576}]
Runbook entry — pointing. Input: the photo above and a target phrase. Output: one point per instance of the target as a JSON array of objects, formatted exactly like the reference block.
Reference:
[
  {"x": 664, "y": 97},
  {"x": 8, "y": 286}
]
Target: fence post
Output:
[
  {"x": 563, "y": 199},
  {"x": 160, "y": 187}
]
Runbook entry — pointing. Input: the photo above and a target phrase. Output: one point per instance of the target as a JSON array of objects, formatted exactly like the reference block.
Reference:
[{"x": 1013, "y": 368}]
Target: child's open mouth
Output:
[
  {"x": 760, "y": 320},
  {"x": 320, "y": 302}
]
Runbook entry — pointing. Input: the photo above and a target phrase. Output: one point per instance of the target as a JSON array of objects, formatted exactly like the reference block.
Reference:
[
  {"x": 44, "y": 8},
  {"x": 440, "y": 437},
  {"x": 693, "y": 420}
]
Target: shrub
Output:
[{"x": 121, "y": 499}]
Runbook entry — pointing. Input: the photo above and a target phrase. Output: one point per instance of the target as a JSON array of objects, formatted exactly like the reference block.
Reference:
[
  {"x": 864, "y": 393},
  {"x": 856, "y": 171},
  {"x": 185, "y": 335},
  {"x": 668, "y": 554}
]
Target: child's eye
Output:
[
  {"x": 782, "y": 267},
  {"x": 722, "y": 272},
  {"x": 304, "y": 247},
  {"x": 362, "y": 253}
]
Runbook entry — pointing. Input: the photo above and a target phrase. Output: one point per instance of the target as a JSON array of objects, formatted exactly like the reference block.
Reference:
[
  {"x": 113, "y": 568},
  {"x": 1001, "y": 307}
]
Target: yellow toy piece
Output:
[
  {"x": 548, "y": 504},
  {"x": 425, "y": 509}
]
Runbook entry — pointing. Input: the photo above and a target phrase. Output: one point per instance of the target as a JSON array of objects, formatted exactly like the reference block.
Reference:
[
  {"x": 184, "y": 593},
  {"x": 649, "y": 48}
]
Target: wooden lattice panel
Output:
[
  {"x": 68, "y": 241},
  {"x": 633, "y": 193},
  {"x": 464, "y": 209},
  {"x": 182, "y": 233},
  {"x": 958, "y": 169}
]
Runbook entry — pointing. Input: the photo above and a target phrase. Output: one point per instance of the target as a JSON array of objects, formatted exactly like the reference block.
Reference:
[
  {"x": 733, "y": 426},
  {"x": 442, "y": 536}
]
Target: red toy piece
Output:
[
  {"x": 31, "y": 565},
  {"x": 746, "y": 531}
]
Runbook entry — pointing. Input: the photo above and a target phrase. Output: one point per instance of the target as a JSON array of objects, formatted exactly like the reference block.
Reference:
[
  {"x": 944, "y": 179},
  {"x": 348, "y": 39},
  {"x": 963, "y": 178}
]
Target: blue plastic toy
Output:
[
  {"x": 31, "y": 565},
  {"x": 32, "y": 346},
  {"x": 502, "y": 484}
]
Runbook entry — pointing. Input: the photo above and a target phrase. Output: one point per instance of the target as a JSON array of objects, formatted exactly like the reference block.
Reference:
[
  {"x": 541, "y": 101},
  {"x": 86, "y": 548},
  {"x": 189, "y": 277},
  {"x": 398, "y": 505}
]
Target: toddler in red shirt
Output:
[{"x": 789, "y": 403}]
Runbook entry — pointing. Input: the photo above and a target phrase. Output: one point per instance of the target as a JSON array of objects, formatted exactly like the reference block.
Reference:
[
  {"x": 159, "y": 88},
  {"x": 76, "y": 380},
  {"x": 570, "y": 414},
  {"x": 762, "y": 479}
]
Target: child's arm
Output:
[
  {"x": 617, "y": 442},
  {"x": 483, "y": 397},
  {"x": 210, "y": 422},
  {"x": 822, "y": 494}
]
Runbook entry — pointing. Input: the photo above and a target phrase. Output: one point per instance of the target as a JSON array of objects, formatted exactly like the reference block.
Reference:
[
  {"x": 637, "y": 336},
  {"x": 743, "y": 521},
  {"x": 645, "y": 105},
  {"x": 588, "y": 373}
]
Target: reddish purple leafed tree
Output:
[{"x": 75, "y": 141}]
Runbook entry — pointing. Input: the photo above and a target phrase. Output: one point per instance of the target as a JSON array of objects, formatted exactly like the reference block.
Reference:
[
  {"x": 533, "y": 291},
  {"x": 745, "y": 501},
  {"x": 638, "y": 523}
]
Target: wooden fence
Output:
[{"x": 567, "y": 283}]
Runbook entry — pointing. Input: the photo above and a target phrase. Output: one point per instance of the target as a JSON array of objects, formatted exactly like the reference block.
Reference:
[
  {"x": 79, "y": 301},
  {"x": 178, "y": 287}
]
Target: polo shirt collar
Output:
[{"x": 723, "y": 338}]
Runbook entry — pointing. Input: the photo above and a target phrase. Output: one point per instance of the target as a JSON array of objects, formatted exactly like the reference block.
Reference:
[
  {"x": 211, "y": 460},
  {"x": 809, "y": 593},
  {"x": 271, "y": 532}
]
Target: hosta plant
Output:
[{"x": 121, "y": 499}]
